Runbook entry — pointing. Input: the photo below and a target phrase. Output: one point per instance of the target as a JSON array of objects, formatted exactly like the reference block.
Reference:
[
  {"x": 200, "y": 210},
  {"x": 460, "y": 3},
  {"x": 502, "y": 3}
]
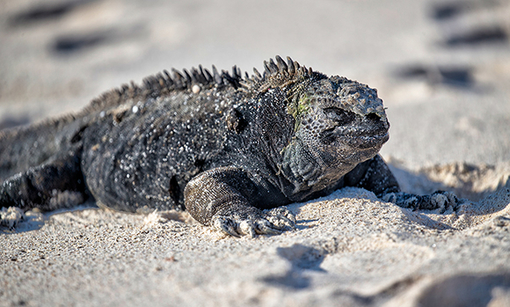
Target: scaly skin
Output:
[{"x": 229, "y": 149}]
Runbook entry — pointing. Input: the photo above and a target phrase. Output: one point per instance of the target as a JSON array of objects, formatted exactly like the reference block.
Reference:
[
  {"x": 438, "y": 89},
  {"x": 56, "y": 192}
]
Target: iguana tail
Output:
[
  {"x": 40, "y": 165},
  {"x": 29, "y": 146}
]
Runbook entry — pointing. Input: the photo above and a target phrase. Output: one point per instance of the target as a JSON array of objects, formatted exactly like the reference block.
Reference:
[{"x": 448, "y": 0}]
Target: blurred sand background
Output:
[{"x": 442, "y": 69}]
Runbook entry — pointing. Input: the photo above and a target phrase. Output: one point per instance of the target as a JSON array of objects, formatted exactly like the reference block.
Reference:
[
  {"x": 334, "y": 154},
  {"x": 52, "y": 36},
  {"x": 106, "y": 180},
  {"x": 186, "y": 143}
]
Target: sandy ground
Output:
[{"x": 442, "y": 68}]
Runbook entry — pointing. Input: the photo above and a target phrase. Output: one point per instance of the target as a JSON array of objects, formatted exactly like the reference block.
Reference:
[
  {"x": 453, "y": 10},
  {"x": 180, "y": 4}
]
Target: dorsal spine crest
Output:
[{"x": 277, "y": 74}]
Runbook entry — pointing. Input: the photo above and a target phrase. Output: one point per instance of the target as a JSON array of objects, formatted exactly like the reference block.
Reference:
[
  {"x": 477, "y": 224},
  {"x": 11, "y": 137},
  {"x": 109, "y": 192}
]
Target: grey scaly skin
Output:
[{"x": 231, "y": 150}]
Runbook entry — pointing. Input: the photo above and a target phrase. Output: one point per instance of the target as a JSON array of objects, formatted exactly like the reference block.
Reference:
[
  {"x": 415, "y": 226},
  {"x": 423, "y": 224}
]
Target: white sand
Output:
[{"x": 349, "y": 248}]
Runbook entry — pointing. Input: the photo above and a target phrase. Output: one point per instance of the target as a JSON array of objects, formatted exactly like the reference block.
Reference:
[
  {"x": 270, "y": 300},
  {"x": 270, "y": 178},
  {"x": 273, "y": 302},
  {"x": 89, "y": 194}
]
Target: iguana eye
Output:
[
  {"x": 342, "y": 117},
  {"x": 328, "y": 136}
]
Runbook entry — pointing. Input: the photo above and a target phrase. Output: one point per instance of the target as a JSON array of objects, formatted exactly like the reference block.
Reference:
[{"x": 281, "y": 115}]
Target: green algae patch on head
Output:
[{"x": 298, "y": 107}]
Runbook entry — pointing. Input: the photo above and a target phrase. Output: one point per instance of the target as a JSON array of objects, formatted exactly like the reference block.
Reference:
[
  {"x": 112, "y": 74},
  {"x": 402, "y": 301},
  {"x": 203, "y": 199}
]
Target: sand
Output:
[{"x": 442, "y": 70}]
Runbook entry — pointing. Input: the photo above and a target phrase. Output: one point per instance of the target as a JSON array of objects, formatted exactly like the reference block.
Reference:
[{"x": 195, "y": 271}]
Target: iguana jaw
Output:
[
  {"x": 365, "y": 142},
  {"x": 356, "y": 138}
]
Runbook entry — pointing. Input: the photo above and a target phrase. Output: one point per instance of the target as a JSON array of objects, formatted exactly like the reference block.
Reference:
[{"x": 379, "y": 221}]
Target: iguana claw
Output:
[
  {"x": 270, "y": 222},
  {"x": 438, "y": 200}
]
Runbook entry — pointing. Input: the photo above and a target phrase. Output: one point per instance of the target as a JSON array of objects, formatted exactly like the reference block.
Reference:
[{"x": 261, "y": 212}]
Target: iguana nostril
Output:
[{"x": 373, "y": 117}]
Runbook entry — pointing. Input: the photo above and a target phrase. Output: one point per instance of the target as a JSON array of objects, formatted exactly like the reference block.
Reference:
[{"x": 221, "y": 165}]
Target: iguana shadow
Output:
[{"x": 301, "y": 259}]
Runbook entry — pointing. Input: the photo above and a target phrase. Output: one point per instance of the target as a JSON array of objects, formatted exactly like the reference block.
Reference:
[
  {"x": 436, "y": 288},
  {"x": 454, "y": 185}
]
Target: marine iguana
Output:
[{"x": 223, "y": 146}]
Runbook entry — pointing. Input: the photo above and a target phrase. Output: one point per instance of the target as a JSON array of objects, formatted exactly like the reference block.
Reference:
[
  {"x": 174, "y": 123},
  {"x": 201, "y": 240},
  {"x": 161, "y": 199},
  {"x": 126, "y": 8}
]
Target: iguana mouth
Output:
[{"x": 364, "y": 139}]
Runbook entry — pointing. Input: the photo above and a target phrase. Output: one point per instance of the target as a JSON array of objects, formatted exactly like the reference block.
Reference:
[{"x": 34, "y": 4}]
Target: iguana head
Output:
[
  {"x": 339, "y": 116},
  {"x": 338, "y": 123}
]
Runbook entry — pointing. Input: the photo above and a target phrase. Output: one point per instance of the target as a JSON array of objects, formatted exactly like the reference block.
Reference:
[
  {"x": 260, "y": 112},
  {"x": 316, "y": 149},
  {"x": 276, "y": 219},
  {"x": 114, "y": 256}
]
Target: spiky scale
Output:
[
  {"x": 281, "y": 64},
  {"x": 189, "y": 79},
  {"x": 257, "y": 74},
  {"x": 169, "y": 79},
  {"x": 178, "y": 78},
  {"x": 203, "y": 78},
  {"x": 217, "y": 78},
  {"x": 290, "y": 65},
  {"x": 207, "y": 75},
  {"x": 236, "y": 72},
  {"x": 196, "y": 76},
  {"x": 267, "y": 68},
  {"x": 273, "y": 66}
]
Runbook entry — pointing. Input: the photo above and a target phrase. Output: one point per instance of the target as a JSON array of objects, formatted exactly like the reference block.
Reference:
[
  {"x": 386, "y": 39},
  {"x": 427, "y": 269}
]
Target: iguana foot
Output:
[
  {"x": 438, "y": 200},
  {"x": 11, "y": 217},
  {"x": 281, "y": 217},
  {"x": 272, "y": 221}
]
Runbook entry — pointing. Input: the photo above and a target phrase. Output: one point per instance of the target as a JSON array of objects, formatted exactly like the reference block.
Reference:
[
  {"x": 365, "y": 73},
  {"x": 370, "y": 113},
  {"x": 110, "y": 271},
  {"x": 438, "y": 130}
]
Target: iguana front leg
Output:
[
  {"x": 374, "y": 175},
  {"x": 221, "y": 198}
]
